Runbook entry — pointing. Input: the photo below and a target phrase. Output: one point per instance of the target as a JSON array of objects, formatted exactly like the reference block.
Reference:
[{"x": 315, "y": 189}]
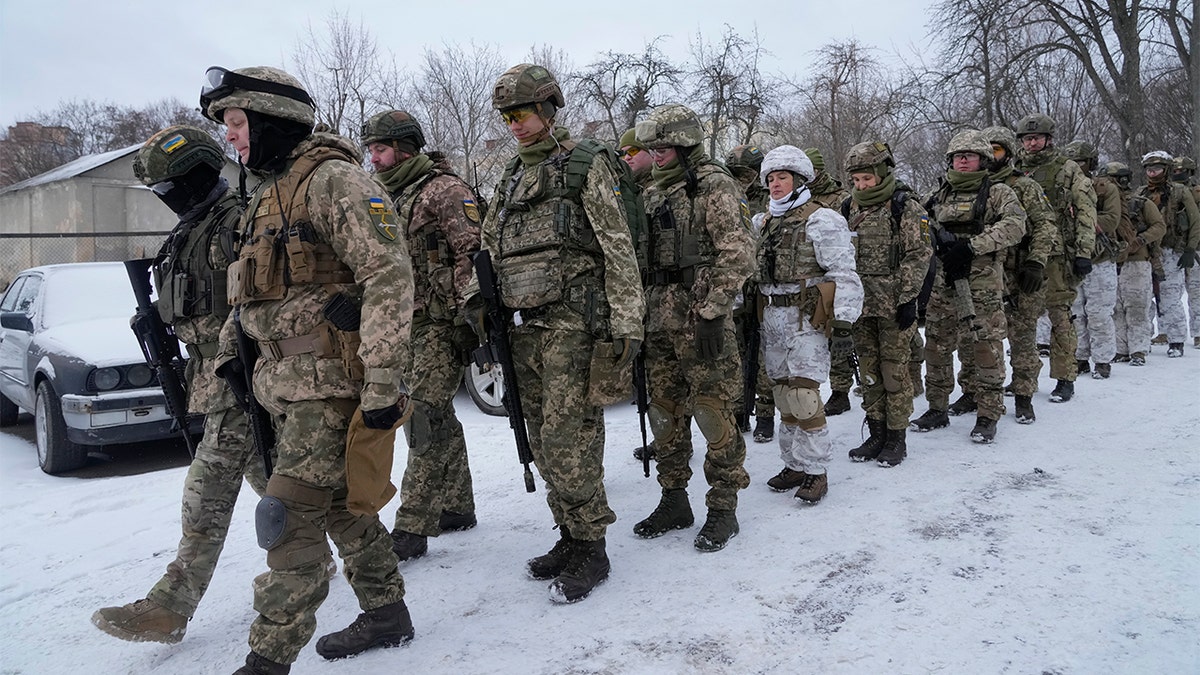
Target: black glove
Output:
[
  {"x": 626, "y": 350},
  {"x": 956, "y": 261},
  {"x": 1081, "y": 267},
  {"x": 841, "y": 342},
  {"x": 1030, "y": 277},
  {"x": 384, "y": 418},
  {"x": 906, "y": 314},
  {"x": 1187, "y": 258},
  {"x": 465, "y": 341},
  {"x": 234, "y": 375},
  {"x": 710, "y": 338}
]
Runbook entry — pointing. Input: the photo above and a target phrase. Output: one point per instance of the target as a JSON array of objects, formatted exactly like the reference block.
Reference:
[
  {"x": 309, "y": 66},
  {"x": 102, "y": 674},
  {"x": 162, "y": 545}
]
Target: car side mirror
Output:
[{"x": 16, "y": 321}]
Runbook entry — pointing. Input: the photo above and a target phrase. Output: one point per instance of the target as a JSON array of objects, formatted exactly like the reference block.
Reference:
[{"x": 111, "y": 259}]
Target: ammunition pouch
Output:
[{"x": 606, "y": 383}]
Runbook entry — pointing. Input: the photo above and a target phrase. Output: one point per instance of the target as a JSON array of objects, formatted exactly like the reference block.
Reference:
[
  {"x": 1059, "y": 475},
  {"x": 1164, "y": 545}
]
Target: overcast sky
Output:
[{"x": 135, "y": 52}]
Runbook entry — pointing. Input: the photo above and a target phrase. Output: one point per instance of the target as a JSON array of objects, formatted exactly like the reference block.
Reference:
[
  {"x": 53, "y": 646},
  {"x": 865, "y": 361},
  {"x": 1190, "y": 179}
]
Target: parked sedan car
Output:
[{"x": 68, "y": 356}]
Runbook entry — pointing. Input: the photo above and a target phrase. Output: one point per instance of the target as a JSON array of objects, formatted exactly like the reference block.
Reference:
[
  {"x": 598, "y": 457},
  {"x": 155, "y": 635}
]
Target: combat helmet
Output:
[
  {"x": 1157, "y": 157},
  {"x": 1004, "y": 137},
  {"x": 175, "y": 151},
  {"x": 527, "y": 85},
  {"x": 970, "y": 141},
  {"x": 1037, "y": 123},
  {"x": 1083, "y": 153},
  {"x": 744, "y": 156},
  {"x": 1183, "y": 169},
  {"x": 787, "y": 158},
  {"x": 393, "y": 125},
  {"x": 263, "y": 89},
  {"x": 671, "y": 125},
  {"x": 871, "y": 156},
  {"x": 1118, "y": 172}
]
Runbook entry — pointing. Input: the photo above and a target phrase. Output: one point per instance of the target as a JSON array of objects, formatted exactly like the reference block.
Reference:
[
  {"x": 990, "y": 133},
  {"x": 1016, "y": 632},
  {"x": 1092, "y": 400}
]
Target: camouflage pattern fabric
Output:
[
  {"x": 841, "y": 375},
  {"x": 883, "y": 359},
  {"x": 1170, "y": 297},
  {"x": 1021, "y": 311},
  {"x": 1131, "y": 316},
  {"x": 1061, "y": 286},
  {"x": 1192, "y": 284},
  {"x": 1093, "y": 311}
]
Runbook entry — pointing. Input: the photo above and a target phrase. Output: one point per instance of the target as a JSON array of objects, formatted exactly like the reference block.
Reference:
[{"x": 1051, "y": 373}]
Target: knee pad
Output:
[
  {"x": 892, "y": 374},
  {"x": 664, "y": 423},
  {"x": 803, "y": 405},
  {"x": 713, "y": 420},
  {"x": 284, "y": 522},
  {"x": 270, "y": 522}
]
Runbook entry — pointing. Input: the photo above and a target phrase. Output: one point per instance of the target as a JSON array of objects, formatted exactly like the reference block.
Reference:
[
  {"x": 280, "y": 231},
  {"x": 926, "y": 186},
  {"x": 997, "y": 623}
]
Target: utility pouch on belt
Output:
[
  {"x": 606, "y": 384},
  {"x": 341, "y": 312},
  {"x": 822, "y": 316},
  {"x": 369, "y": 454}
]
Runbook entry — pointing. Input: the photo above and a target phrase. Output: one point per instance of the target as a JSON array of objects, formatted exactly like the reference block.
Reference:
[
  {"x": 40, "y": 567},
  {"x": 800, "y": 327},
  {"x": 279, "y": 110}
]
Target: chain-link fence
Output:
[{"x": 21, "y": 251}]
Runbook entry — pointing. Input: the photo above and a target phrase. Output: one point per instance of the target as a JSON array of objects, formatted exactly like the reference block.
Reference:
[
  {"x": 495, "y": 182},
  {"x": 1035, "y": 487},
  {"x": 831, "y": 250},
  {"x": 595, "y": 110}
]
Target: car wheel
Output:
[
  {"x": 56, "y": 453},
  {"x": 8, "y": 412},
  {"x": 486, "y": 389}
]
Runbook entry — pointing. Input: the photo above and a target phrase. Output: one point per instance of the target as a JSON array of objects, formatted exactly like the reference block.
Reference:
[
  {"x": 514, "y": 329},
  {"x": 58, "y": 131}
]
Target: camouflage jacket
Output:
[
  {"x": 1143, "y": 226},
  {"x": 1178, "y": 209},
  {"x": 828, "y": 192},
  {"x": 351, "y": 214},
  {"x": 1041, "y": 235},
  {"x": 1003, "y": 218},
  {"x": 1070, "y": 193},
  {"x": 891, "y": 258}
]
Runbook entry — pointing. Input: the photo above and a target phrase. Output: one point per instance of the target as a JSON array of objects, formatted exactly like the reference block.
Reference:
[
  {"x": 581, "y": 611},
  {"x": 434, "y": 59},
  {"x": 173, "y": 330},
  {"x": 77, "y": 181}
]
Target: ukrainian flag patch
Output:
[
  {"x": 376, "y": 203},
  {"x": 471, "y": 210},
  {"x": 617, "y": 191},
  {"x": 173, "y": 143}
]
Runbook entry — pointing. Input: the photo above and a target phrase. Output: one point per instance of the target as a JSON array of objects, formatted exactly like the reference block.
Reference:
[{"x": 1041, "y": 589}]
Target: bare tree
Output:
[
  {"x": 716, "y": 77},
  {"x": 618, "y": 86}
]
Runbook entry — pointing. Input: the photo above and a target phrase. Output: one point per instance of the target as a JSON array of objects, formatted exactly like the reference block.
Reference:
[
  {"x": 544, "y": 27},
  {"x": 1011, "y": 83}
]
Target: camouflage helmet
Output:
[
  {"x": 1115, "y": 170},
  {"x": 263, "y": 89},
  {"x": 866, "y": 156},
  {"x": 175, "y": 151},
  {"x": 787, "y": 158},
  {"x": 1157, "y": 157},
  {"x": 393, "y": 125},
  {"x": 744, "y": 156},
  {"x": 1081, "y": 151},
  {"x": 1037, "y": 123},
  {"x": 818, "y": 160},
  {"x": 970, "y": 141},
  {"x": 1002, "y": 136},
  {"x": 671, "y": 125},
  {"x": 1184, "y": 166},
  {"x": 526, "y": 84},
  {"x": 629, "y": 140}
]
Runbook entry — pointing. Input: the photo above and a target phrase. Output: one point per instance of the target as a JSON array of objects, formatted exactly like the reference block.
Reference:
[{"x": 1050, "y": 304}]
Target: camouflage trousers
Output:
[
  {"x": 916, "y": 358},
  {"x": 211, "y": 488},
  {"x": 437, "y": 477},
  {"x": 1021, "y": 313},
  {"x": 1192, "y": 284},
  {"x": 310, "y": 483},
  {"x": 1170, "y": 297},
  {"x": 944, "y": 333},
  {"x": 1131, "y": 319},
  {"x": 566, "y": 432},
  {"x": 1093, "y": 311},
  {"x": 1060, "y": 295},
  {"x": 681, "y": 385},
  {"x": 764, "y": 398},
  {"x": 883, "y": 355},
  {"x": 797, "y": 358}
]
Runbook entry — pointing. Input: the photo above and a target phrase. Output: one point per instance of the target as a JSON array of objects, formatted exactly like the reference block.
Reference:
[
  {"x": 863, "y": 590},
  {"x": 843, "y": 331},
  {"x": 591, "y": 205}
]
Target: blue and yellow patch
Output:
[
  {"x": 471, "y": 210},
  {"x": 617, "y": 191},
  {"x": 925, "y": 228},
  {"x": 173, "y": 143},
  {"x": 384, "y": 219},
  {"x": 745, "y": 208}
]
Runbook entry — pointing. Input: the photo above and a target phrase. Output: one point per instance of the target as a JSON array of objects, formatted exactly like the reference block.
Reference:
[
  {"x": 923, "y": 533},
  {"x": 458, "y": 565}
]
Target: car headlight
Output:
[
  {"x": 106, "y": 378},
  {"x": 139, "y": 375}
]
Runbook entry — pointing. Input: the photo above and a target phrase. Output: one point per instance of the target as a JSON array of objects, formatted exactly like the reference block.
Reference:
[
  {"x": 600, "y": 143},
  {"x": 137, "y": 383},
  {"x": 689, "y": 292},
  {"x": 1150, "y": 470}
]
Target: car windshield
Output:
[{"x": 87, "y": 292}]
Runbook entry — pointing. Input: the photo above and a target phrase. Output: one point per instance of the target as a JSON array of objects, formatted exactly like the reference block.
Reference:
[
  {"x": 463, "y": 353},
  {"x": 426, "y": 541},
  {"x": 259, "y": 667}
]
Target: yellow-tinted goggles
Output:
[
  {"x": 630, "y": 151},
  {"x": 516, "y": 116}
]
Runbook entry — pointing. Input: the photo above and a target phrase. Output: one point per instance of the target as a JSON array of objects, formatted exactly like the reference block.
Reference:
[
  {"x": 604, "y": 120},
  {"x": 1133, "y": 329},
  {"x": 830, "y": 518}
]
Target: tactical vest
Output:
[
  {"x": 433, "y": 272},
  {"x": 1059, "y": 195},
  {"x": 870, "y": 244},
  {"x": 544, "y": 239},
  {"x": 787, "y": 255},
  {"x": 677, "y": 243},
  {"x": 1168, "y": 199},
  {"x": 963, "y": 214},
  {"x": 189, "y": 285},
  {"x": 280, "y": 247}
]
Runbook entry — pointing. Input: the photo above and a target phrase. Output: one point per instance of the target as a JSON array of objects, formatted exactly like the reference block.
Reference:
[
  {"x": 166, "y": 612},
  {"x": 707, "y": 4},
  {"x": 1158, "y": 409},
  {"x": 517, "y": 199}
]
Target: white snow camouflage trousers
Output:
[
  {"x": 1131, "y": 317},
  {"x": 1093, "y": 314},
  {"x": 1193, "y": 292},
  {"x": 1170, "y": 297},
  {"x": 793, "y": 348}
]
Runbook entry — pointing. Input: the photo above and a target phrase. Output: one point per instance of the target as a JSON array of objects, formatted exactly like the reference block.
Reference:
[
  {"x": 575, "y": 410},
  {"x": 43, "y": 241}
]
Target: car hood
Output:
[{"x": 100, "y": 342}]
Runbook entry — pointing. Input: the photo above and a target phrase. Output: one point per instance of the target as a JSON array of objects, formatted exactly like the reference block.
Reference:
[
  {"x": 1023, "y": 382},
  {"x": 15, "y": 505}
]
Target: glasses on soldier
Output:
[
  {"x": 630, "y": 151},
  {"x": 163, "y": 187},
  {"x": 516, "y": 115},
  {"x": 659, "y": 152}
]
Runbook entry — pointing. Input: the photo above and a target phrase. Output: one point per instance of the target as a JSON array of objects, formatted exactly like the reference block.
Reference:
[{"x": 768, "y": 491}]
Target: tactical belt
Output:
[
  {"x": 204, "y": 350},
  {"x": 785, "y": 299},
  {"x": 320, "y": 343},
  {"x": 664, "y": 277}
]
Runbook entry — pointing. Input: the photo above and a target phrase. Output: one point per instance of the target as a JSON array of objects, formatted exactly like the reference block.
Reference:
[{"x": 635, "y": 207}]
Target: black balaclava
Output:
[
  {"x": 272, "y": 139},
  {"x": 191, "y": 188}
]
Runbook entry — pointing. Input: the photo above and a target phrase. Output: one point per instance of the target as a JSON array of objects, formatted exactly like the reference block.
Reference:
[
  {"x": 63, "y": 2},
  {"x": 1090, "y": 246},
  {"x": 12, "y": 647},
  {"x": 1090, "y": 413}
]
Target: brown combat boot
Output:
[
  {"x": 141, "y": 621},
  {"x": 786, "y": 480},
  {"x": 813, "y": 489}
]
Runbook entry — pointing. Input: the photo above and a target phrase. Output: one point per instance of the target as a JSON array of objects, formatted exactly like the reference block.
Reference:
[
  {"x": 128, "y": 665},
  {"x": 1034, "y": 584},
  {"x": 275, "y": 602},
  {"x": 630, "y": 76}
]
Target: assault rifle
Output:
[
  {"x": 262, "y": 434},
  {"x": 751, "y": 339},
  {"x": 160, "y": 348},
  {"x": 642, "y": 396},
  {"x": 498, "y": 351},
  {"x": 964, "y": 306}
]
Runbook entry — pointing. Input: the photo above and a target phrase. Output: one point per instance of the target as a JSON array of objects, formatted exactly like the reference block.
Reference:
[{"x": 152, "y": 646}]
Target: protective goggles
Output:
[
  {"x": 630, "y": 151},
  {"x": 163, "y": 187},
  {"x": 516, "y": 115},
  {"x": 219, "y": 83}
]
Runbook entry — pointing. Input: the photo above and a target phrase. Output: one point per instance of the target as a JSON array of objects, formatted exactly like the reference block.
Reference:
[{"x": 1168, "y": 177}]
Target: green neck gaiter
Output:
[
  {"x": 532, "y": 155},
  {"x": 823, "y": 184},
  {"x": 875, "y": 195},
  {"x": 1001, "y": 175},
  {"x": 965, "y": 181},
  {"x": 1043, "y": 156},
  {"x": 405, "y": 173},
  {"x": 673, "y": 171}
]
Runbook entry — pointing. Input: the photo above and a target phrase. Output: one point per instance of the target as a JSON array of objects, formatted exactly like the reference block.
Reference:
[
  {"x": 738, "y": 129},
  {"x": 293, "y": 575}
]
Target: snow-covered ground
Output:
[{"x": 1069, "y": 546}]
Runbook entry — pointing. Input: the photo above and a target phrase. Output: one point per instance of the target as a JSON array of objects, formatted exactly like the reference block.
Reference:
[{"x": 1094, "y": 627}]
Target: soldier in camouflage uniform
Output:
[
  {"x": 892, "y": 254},
  {"x": 182, "y": 165},
  {"x": 439, "y": 215},
  {"x": 977, "y": 220},
  {"x": 743, "y": 162},
  {"x": 1093, "y": 307},
  {"x": 318, "y": 229},
  {"x": 1178, "y": 208},
  {"x": 1074, "y": 202},
  {"x": 1183, "y": 171},
  {"x": 1141, "y": 227},
  {"x": 560, "y": 241},
  {"x": 809, "y": 299},
  {"x": 700, "y": 253}
]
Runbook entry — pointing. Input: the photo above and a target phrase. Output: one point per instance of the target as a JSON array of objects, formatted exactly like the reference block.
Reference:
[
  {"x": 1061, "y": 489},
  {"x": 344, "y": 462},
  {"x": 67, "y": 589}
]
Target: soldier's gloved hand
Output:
[
  {"x": 956, "y": 261},
  {"x": 234, "y": 375},
  {"x": 1187, "y": 258},
  {"x": 1082, "y": 267},
  {"x": 385, "y": 418},
  {"x": 1030, "y": 276},
  {"x": 465, "y": 341},
  {"x": 474, "y": 314},
  {"x": 626, "y": 349},
  {"x": 841, "y": 340},
  {"x": 906, "y": 314},
  {"x": 710, "y": 338}
]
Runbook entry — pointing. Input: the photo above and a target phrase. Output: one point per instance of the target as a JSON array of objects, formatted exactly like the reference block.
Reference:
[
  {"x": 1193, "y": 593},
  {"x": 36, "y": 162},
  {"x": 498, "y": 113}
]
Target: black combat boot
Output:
[
  {"x": 743, "y": 422},
  {"x": 984, "y": 431},
  {"x": 838, "y": 403},
  {"x": 409, "y": 546},
  {"x": 785, "y": 480},
  {"x": 764, "y": 429},
  {"x": 456, "y": 522},
  {"x": 1082, "y": 366},
  {"x": 672, "y": 513},
  {"x": 719, "y": 528},
  {"x": 552, "y": 563},
  {"x": 1024, "y": 410},
  {"x": 261, "y": 665},
  {"x": 587, "y": 567},
  {"x": 895, "y": 448},
  {"x": 965, "y": 404},
  {"x": 637, "y": 452},
  {"x": 1063, "y": 392},
  {"x": 1175, "y": 350},
  {"x": 932, "y": 419},
  {"x": 1043, "y": 350},
  {"x": 1102, "y": 371},
  {"x": 869, "y": 450},
  {"x": 1121, "y": 358},
  {"x": 387, "y": 626}
]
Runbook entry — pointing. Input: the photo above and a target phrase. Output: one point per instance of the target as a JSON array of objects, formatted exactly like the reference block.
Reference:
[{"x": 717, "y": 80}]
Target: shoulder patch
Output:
[
  {"x": 745, "y": 212},
  {"x": 384, "y": 219},
  {"x": 471, "y": 210}
]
